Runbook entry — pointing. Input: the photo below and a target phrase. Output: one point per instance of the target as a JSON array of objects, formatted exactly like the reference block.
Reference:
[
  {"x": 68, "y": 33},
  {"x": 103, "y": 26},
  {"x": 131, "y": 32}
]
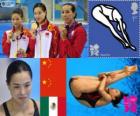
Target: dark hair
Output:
[
  {"x": 118, "y": 99},
  {"x": 73, "y": 8},
  {"x": 18, "y": 11},
  {"x": 43, "y": 7},
  {"x": 15, "y": 67}
]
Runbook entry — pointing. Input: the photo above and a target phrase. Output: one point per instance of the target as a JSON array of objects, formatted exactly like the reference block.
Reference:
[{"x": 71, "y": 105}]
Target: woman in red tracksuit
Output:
[
  {"x": 73, "y": 35},
  {"x": 18, "y": 42}
]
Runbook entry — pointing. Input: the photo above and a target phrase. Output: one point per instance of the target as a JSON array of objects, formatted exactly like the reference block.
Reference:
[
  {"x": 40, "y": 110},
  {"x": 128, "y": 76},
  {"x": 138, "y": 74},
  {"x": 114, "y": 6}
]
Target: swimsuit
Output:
[
  {"x": 91, "y": 98},
  {"x": 7, "y": 113}
]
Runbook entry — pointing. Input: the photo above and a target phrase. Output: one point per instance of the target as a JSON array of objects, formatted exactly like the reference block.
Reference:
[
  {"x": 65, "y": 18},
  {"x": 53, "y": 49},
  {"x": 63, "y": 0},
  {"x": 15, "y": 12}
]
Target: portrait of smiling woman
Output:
[{"x": 19, "y": 83}]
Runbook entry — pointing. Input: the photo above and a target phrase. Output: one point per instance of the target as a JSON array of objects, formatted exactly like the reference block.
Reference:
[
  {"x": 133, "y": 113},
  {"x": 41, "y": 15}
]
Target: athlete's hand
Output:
[{"x": 63, "y": 32}]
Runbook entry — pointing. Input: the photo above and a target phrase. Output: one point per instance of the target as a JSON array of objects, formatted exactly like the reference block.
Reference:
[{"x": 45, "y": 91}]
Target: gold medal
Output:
[{"x": 34, "y": 26}]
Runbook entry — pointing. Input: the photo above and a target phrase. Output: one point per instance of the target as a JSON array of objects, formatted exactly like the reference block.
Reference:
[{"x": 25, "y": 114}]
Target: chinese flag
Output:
[{"x": 53, "y": 87}]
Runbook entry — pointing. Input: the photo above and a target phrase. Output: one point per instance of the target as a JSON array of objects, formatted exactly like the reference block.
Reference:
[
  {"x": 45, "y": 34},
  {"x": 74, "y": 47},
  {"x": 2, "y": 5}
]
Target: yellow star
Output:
[
  {"x": 49, "y": 62},
  {"x": 44, "y": 82},
  {"x": 44, "y": 62}
]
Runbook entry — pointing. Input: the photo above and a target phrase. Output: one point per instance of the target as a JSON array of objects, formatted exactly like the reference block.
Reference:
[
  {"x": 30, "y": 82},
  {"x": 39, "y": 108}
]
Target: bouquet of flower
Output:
[{"x": 21, "y": 53}]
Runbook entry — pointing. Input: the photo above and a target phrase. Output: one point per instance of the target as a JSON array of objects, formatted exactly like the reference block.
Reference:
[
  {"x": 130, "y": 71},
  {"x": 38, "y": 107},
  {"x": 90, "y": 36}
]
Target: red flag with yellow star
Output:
[{"x": 53, "y": 87}]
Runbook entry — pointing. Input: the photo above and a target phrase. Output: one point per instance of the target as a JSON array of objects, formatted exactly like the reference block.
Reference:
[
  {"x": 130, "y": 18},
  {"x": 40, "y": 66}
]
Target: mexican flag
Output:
[
  {"x": 53, "y": 87},
  {"x": 53, "y": 106}
]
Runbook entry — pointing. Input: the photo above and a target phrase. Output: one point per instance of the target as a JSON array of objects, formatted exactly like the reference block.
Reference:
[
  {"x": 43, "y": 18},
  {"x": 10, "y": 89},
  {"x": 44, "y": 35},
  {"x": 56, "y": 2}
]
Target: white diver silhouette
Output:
[{"x": 107, "y": 14}]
